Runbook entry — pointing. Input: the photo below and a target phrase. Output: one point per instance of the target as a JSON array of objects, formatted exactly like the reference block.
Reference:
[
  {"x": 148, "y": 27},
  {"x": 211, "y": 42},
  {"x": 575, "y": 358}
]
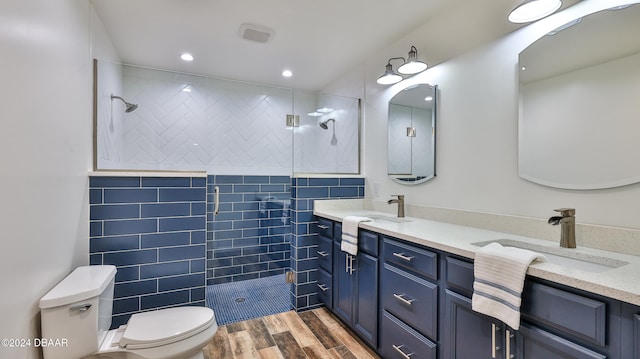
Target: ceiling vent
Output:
[{"x": 255, "y": 33}]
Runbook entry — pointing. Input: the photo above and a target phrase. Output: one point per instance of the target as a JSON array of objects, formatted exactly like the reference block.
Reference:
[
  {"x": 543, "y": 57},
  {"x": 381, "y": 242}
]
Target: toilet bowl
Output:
[{"x": 78, "y": 310}]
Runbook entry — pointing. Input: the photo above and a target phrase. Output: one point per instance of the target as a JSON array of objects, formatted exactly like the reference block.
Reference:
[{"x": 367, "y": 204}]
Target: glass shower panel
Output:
[{"x": 326, "y": 140}]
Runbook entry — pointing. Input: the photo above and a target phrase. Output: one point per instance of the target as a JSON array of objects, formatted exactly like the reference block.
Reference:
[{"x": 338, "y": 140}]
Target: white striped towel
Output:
[
  {"x": 349, "y": 241},
  {"x": 499, "y": 278}
]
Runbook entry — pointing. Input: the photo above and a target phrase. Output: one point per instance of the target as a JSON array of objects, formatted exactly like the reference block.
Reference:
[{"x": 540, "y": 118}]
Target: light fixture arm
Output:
[{"x": 409, "y": 67}]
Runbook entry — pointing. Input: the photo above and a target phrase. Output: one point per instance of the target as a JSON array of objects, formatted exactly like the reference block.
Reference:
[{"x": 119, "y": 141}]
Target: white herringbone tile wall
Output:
[{"x": 189, "y": 122}]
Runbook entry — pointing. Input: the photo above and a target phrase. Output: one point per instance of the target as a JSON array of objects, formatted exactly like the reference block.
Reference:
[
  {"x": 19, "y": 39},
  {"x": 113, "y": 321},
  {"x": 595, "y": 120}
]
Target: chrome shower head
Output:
[
  {"x": 325, "y": 124},
  {"x": 130, "y": 106}
]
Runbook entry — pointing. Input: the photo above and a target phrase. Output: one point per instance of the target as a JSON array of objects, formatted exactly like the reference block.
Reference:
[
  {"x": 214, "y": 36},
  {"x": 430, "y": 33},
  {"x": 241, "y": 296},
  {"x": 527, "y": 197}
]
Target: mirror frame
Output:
[{"x": 410, "y": 179}]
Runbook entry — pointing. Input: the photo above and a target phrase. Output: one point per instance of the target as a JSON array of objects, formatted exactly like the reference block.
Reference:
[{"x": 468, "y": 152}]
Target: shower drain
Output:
[{"x": 239, "y": 299}]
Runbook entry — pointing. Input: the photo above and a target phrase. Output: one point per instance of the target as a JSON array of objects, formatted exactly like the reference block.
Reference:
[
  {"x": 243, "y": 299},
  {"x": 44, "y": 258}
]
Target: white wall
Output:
[
  {"x": 45, "y": 153},
  {"x": 477, "y": 133}
]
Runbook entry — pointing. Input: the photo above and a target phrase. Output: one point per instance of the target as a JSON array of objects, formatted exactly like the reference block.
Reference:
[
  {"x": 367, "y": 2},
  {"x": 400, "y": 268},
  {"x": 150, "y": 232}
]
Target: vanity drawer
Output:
[
  {"x": 412, "y": 258},
  {"x": 459, "y": 276},
  {"x": 576, "y": 315},
  {"x": 325, "y": 253},
  {"x": 325, "y": 227},
  {"x": 325, "y": 288},
  {"x": 399, "y": 341},
  {"x": 411, "y": 299}
]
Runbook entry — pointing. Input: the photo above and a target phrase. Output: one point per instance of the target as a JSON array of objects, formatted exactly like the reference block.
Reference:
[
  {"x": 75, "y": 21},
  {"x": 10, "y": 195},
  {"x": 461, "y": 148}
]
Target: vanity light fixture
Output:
[
  {"x": 186, "y": 57},
  {"x": 532, "y": 10},
  {"x": 409, "y": 67},
  {"x": 413, "y": 65}
]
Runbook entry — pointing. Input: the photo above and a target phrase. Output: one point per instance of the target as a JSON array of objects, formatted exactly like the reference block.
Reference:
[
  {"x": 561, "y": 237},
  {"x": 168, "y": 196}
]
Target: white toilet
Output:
[{"x": 76, "y": 316}]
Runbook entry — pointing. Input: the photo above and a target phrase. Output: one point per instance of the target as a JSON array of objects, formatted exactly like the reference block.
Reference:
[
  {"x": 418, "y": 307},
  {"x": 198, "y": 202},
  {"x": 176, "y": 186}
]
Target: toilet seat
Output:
[{"x": 165, "y": 326}]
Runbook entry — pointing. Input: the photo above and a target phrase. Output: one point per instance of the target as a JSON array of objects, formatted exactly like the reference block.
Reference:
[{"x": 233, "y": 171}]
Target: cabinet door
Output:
[
  {"x": 467, "y": 334},
  {"x": 343, "y": 286},
  {"x": 365, "y": 320},
  {"x": 534, "y": 343}
]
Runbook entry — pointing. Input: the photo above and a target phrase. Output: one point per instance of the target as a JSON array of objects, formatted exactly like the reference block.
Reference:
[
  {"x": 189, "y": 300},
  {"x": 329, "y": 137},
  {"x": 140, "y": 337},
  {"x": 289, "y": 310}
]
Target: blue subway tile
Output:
[
  {"x": 246, "y": 206},
  {"x": 95, "y": 228},
  {"x": 164, "y": 269},
  {"x": 117, "y": 227},
  {"x": 182, "y": 224},
  {"x": 301, "y": 182},
  {"x": 354, "y": 181},
  {"x": 280, "y": 179},
  {"x": 218, "y": 263},
  {"x": 245, "y": 276},
  {"x": 114, "y": 211},
  {"x": 181, "y": 282},
  {"x": 198, "y": 237},
  {"x": 178, "y": 253},
  {"x": 165, "y": 239},
  {"x": 220, "y": 244},
  {"x": 323, "y": 181},
  {"x": 228, "y": 216},
  {"x": 198, "y": 208},
  {"x": 198, "y": 294},
  {"x": 230, "y": 197},
  {"x": 95, "y": 259},
  {"x": 337, "y": 192},
  {"x": 131, "y": 289},
  {"x": 118, "y": 320},
  {"x": 198, "y": 182},
  {"x": 164, "y": 299},
  {"x": 246, "y": 242},
  {"x": 129, "y": 195},
  {"x": 197, "y": 265},
  {"x": 257, "y": 249},
  {"x": 127, "y": 274},
  {"x": 166, "y": 182},
  {"x": 182, "y": 194},
  {"x": 255, "y": 267},
  {"x": 117, "y": 243},
  {"x": 127, "y": 305},
  {"x": 95, "y": 196},
  {"x": 104, "y": 182},
  {"x": 165, "y": 210},
  {"x": 228, "y": 179},
  {"x": 312, "y": 192},
  {"x": 131, "y": 257},
  {"x": 256, "y": 179}
]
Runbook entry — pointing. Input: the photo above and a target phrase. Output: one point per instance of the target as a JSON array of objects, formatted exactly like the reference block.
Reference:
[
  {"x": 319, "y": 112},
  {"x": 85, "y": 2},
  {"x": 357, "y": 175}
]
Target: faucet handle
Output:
[
  {"x": 400, "y": 196},
  {"x": 566, "y": 212}
]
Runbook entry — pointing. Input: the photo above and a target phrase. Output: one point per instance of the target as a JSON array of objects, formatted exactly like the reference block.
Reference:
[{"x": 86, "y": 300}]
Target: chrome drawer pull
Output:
[
  {"x": 322, "y": 226},
  {"x": 398, "y": 348},
  {"x": 323, "y": 253},
  {"x": 323, "y": 287},
  {"x": 402, "y": 256},
  {"x": 81, "y": 307},
  {"x": 401, "y": 298}
]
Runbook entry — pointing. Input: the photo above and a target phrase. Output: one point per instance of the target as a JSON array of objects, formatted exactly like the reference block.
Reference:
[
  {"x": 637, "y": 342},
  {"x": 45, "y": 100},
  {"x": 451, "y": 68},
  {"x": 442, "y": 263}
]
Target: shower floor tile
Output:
[{"x": 249, "y": 299}]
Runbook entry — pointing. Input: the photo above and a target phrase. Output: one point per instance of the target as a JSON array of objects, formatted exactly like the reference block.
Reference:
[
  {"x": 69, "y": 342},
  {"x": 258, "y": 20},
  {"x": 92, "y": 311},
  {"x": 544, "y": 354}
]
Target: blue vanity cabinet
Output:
[
  {"x": 355, "y": 284},
  {"x": 324, "y": 252},
  {"x": 556, "y": 322},
  {"x": 409, "y": 300}
]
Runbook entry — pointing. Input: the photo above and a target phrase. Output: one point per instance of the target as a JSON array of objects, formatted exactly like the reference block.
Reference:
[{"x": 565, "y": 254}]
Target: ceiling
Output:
[{"x": 317, "y": 40}]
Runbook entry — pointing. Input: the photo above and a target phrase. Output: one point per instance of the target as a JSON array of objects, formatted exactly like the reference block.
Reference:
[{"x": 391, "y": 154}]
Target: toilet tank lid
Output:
[{"x": 83, "y": 283}]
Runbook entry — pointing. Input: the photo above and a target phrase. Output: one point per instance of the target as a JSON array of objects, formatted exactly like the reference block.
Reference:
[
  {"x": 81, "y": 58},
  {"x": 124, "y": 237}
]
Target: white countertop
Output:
[{"x": 620, "y": 283}]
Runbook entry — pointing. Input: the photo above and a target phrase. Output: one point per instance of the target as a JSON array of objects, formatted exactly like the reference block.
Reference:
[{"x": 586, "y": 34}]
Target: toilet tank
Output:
[{"x": 76, "y": 314}]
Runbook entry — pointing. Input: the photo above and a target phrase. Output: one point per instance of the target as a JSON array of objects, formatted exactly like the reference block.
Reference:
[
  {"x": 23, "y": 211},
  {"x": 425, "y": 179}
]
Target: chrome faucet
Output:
[
  {"x": 568, "y": 222},
  {"x": 400, "y": 202}
]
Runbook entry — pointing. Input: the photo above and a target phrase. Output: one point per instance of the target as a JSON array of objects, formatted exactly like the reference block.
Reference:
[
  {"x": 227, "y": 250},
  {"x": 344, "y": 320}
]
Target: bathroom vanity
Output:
[{"x": 407, "y": 294}]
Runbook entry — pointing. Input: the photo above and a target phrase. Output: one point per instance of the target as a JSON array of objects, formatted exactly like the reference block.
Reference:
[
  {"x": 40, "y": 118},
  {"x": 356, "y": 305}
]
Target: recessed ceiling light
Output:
[
  {"x": 186, "y": 57},
  {"x": 287, "y": 73},
  {"x": 315, "y": 114},
  {"x": 325, "y": 109},
  {"x": 428, "y": 98}
]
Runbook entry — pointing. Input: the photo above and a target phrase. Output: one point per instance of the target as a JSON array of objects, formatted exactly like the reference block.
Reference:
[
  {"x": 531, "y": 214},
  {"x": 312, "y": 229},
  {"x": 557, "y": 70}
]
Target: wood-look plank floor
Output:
[{"x": 290, "y": 335}]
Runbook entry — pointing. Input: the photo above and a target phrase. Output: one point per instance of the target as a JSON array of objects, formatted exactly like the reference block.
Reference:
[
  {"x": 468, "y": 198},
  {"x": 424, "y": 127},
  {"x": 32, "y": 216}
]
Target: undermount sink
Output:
[
  {"x": 379, "y": 217},
  {"x": 565, "y": 257}
]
